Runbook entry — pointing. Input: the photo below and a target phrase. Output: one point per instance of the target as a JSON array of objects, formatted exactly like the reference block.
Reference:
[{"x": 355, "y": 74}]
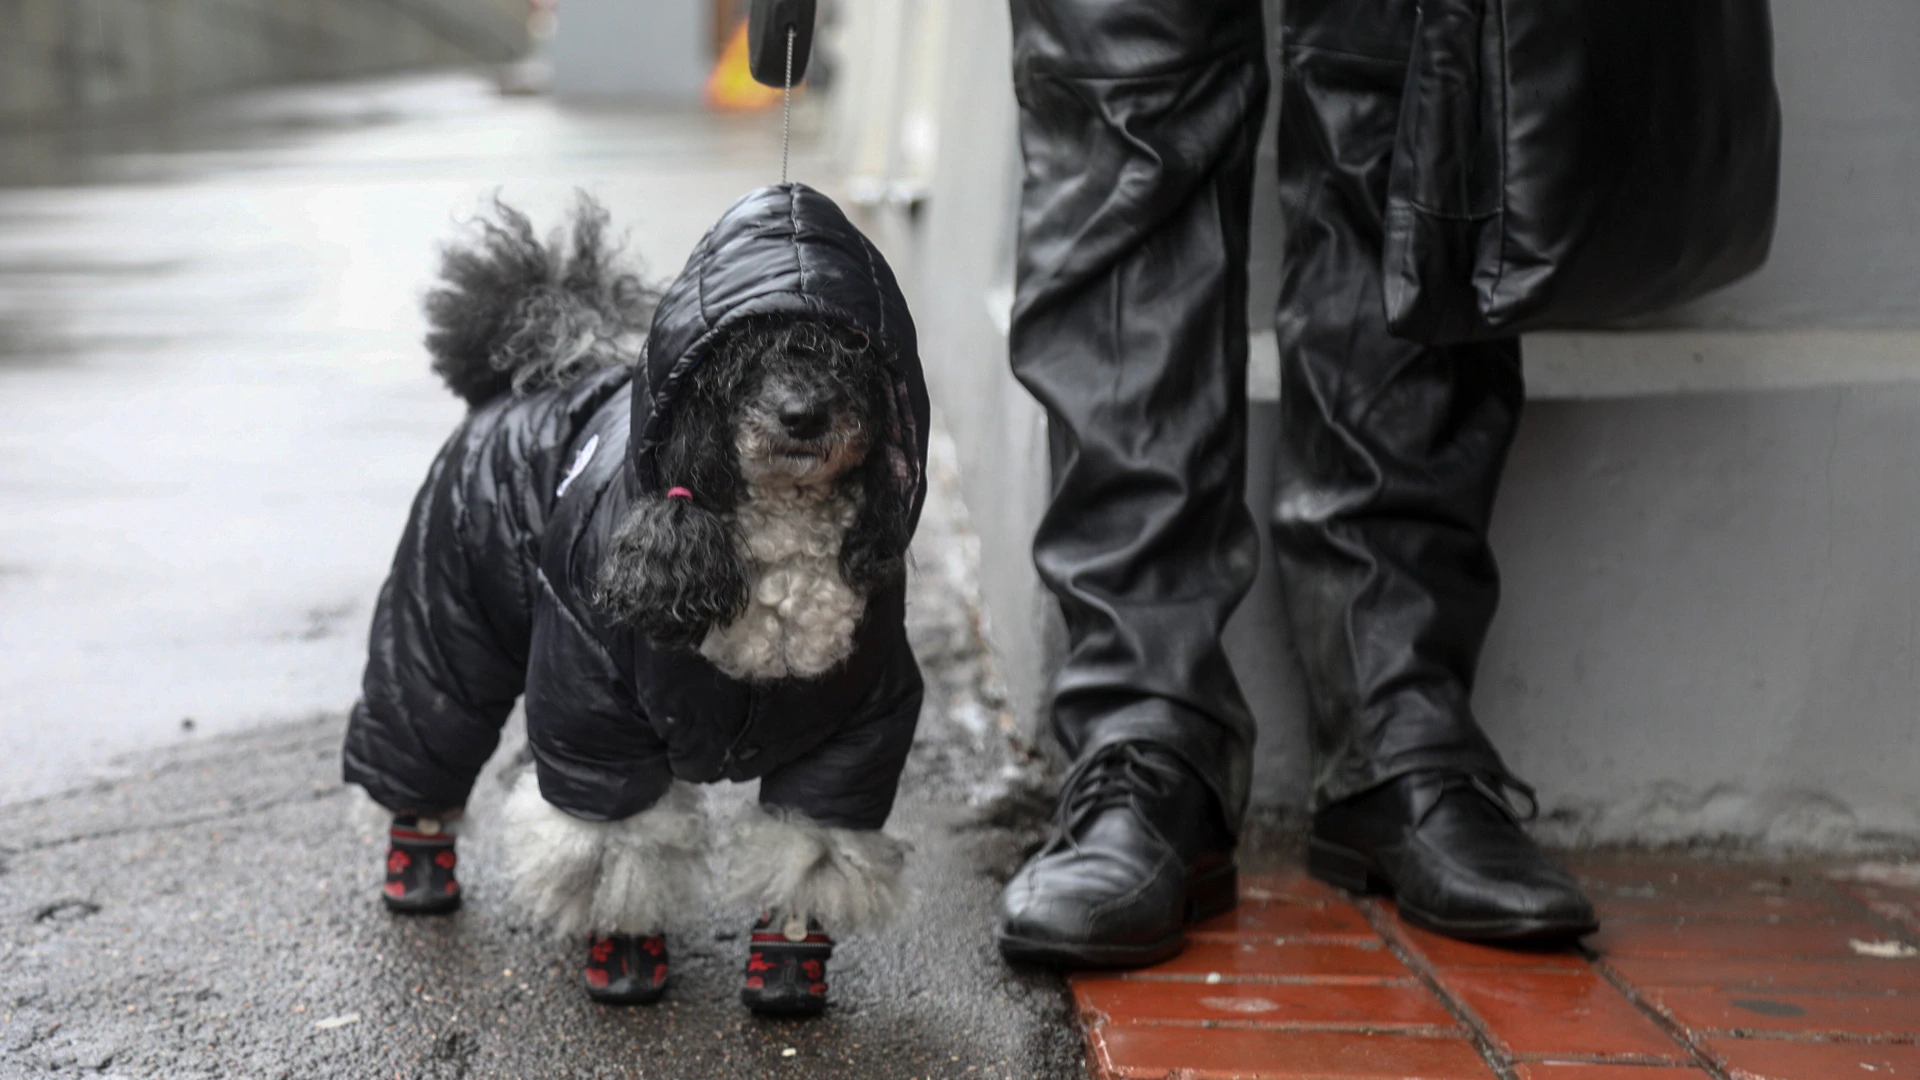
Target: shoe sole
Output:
[
  {"x": 436, "y": 906},
  {"x": 647, "y": 996},
  {"x": 1212, "y": 893},
  {"x": 1345, "y": 868},
  {"x": 796, "y": 1011}
]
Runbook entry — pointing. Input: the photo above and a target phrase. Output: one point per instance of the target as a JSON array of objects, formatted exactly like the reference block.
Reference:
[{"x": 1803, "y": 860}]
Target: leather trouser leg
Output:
[
  {"x": 1391, "y": 451},
  {"x": 1139, "y": 121}
]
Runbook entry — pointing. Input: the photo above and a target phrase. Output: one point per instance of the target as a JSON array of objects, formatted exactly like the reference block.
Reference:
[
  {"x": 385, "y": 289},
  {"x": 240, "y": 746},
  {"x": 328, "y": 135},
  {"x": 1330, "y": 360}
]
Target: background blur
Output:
[{"x": 218, "y": 217}]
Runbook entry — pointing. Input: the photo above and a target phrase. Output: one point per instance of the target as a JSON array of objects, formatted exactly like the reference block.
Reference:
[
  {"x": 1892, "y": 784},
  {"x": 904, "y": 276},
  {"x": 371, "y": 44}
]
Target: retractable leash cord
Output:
[
  {"x": 786, "y": 107},
  {"x": 779, "y": 41}
]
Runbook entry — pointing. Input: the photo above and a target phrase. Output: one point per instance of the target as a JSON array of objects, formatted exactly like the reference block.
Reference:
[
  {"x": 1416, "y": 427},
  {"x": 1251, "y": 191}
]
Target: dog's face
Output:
[
  {"x": 780, "y": 406},
  {"x": 803, "y": 414}
]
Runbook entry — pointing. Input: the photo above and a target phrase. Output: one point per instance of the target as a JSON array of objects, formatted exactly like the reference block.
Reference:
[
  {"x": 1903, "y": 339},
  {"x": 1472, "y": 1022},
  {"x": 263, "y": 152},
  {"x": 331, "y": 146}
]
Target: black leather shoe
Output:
[
  {"x": 1139, "y": 850},
  {"x": 1450, "y": 849}
]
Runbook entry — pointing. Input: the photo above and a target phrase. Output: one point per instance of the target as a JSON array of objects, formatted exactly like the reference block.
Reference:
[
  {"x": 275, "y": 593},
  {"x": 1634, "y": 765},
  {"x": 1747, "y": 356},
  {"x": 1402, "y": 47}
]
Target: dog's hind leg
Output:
[{"x": 446, "y": 656}]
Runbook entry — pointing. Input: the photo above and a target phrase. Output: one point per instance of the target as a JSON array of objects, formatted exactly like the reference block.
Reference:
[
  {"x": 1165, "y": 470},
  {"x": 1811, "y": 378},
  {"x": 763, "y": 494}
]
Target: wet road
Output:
[{"x": 213, "y": 415}]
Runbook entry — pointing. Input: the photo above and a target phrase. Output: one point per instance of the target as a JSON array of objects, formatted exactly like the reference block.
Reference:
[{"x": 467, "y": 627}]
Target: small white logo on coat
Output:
[{"x": 579, "y": 464}]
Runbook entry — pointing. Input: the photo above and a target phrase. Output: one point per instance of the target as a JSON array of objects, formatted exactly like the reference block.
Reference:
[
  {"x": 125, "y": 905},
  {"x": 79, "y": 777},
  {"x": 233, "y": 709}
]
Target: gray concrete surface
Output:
[
  {"x": 62, "y": 60},
  {"x": 1707, "y": 531},
  {"x": 213, "y": 415}
]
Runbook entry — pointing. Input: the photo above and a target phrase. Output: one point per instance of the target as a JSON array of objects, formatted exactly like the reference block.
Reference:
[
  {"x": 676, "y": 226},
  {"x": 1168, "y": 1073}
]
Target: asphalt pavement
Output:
[{"x": 213, "y": 414}]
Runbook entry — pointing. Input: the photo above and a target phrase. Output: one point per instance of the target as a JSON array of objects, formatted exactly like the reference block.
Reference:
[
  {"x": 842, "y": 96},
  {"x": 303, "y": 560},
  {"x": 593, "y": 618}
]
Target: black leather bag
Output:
[{"x": 1565, "y": 163}]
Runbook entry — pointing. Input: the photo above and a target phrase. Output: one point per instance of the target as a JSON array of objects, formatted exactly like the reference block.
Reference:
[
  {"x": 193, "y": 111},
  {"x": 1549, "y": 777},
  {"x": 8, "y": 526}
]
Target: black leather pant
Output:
[{"x": 1139, "y": 121}]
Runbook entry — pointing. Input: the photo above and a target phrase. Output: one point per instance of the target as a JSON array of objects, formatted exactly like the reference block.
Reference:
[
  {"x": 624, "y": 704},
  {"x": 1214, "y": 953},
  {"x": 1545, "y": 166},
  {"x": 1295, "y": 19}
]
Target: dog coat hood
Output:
[{"x": 781, "y": 250}]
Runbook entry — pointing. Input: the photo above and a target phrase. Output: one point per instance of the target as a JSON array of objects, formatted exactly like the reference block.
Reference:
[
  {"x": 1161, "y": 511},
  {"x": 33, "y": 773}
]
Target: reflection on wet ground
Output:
[
  {"x": 213, "y": 407},
  {"x": 152, "y": 143}
]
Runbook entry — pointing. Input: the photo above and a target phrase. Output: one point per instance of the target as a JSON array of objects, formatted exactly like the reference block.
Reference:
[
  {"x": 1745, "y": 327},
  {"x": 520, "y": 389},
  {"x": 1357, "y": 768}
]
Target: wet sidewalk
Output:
[
  {"x": 1703, "y": 969},
  {"x": 214, "y": 405}
]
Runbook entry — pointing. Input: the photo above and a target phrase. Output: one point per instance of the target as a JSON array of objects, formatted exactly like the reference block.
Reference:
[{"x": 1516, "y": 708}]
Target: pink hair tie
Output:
[{"x": 679, "y": 493}]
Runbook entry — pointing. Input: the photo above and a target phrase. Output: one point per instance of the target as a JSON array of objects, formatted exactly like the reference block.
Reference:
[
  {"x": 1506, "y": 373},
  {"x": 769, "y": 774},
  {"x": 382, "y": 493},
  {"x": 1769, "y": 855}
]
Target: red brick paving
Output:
[
  {"x": 1704, "y": 971},
  {"x": 1573, "y": 1014},
  {"x": 1757, "y": 1060},
  {"x": 1890, "y": 892},
  {"x": 1581, "y": 1071},
  {"x": 1252, "y": 961},
  {"x": 1269, "y": 920},
  {"x": 1146, "y": 1052},
  {"x": 1884, "y": 1017},
  {"x": 1408, "y": 1007},
  {"x": 1781, "y": 976},
  {"x": 1293, "y": 886},
  {"x": 1784, "y": 940},
  {"x": 1445, "y": 954}
]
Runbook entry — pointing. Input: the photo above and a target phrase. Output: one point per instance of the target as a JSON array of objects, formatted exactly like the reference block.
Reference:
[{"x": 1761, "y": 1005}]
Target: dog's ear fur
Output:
[
  {"x": 673, "y": 572},
  {"x": 874, "y": 551}
]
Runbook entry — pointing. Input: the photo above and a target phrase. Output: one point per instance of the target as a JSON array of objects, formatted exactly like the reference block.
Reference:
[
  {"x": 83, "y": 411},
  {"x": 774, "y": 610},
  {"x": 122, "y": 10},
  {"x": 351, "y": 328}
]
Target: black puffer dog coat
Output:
[{"x": 490, "y": 594}]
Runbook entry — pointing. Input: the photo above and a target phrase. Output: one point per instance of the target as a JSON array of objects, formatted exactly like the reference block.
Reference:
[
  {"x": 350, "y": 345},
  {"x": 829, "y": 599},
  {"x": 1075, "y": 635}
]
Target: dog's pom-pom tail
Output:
[
  {"x": 673, "y": 572},
  {"x": 514, "y": 313}
]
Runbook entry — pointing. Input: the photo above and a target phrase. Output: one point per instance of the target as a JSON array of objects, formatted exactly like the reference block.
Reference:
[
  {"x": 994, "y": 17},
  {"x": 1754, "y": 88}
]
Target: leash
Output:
[
  {"x": 786, "y": 107},
  {"x": 779, "y": 42}
]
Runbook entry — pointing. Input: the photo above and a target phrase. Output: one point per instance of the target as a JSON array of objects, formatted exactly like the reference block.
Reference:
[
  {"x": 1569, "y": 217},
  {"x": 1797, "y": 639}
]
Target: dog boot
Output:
[
  {"x": 626, "y": 970},
  {"x": 420, "y": 862},
  {"x": 787, "y": 969}
]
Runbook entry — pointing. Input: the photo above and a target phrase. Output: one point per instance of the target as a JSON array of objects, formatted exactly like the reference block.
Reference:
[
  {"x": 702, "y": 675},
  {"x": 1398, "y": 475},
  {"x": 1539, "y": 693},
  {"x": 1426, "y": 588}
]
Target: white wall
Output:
[{"x": 960, "y": 277}]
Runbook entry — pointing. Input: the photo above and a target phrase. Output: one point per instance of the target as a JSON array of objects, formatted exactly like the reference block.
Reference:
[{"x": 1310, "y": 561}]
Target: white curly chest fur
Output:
[{"x": 801, "y": 615}]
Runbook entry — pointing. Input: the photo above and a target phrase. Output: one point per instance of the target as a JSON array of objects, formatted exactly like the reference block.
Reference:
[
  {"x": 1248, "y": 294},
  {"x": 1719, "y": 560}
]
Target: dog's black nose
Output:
[{"x": 804, "y": 419}]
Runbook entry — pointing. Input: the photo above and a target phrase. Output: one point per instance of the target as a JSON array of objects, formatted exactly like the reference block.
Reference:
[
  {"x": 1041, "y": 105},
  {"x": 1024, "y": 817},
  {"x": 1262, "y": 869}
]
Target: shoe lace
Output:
[{"x": 1113, "y": 776}]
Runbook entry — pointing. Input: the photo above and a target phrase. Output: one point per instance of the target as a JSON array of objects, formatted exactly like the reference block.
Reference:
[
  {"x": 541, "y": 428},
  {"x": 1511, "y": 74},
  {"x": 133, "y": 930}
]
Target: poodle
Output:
[{"x": 674, "y": 525}]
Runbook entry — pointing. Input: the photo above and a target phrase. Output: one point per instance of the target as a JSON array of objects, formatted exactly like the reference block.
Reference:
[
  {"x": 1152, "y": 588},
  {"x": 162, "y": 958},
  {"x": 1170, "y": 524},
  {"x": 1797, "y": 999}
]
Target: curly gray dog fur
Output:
[
  {"x": 851, "y": 880},
  {"x": 604, "y": 877},
  {"x": 766, "y": 567},
  {"x": 514, "y": 314}
]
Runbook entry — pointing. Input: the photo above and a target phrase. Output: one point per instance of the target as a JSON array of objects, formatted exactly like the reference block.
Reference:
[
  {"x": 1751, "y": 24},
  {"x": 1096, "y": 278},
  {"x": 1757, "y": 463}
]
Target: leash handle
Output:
[{"x": 779, "y": 41}]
